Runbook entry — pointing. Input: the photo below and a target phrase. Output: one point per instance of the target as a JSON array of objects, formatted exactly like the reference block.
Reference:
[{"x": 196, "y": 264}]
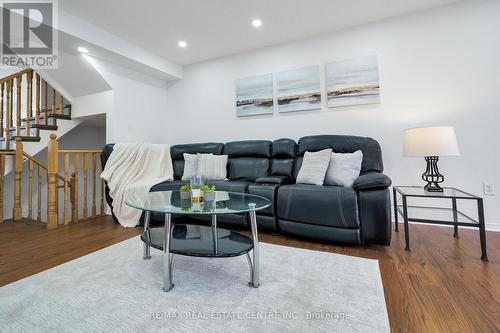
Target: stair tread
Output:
[
  {"x": 42, "y": 117},
  {"x": 29, "y": 138},
  {"x": 23, "y": 138},
  {"x": 45, "y": 127}
]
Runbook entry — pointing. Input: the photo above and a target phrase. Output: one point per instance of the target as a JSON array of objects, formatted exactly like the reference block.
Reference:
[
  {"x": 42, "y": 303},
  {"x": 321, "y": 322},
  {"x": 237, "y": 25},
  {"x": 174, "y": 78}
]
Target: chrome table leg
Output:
[
  {"x": 167, "y": 262},
  {"x": 146, "y": 251},
  {"x": 215, "y": 233},
  {"x": 255, "y": 276}
]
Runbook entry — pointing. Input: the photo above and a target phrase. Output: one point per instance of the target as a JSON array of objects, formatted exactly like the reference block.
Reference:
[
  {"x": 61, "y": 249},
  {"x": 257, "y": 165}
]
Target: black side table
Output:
[{"x": 447, "y": 216}]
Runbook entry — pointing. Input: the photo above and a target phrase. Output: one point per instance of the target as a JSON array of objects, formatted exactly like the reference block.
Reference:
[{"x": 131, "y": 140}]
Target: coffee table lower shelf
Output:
[{"x": 200, "y": 241}]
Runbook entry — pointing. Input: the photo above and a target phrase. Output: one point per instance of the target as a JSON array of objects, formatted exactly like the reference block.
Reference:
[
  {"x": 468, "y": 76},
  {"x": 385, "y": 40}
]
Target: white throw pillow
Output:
[
  {"x": 212, "y": 167},
  {"x": 344, "y": 168},
  {"x": 190, "y": 166},
  {"x": 314, "y": 166}
]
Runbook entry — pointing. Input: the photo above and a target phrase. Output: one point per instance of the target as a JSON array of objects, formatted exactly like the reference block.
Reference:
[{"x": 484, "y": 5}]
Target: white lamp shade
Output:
[{"x": 431, "y": 141}]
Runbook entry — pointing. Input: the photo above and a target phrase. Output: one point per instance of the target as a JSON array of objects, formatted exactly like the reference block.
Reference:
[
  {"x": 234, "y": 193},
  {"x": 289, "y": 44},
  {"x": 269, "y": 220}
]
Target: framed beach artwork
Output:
[
  {"x": 353, "y": 82},
  {"x": 299, "y": 89},
  {"x": 254, "y": 95}
]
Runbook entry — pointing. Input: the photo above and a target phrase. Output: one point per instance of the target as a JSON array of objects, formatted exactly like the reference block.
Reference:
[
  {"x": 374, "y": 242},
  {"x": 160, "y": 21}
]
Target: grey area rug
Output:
[{"x": 115, "y": 290}]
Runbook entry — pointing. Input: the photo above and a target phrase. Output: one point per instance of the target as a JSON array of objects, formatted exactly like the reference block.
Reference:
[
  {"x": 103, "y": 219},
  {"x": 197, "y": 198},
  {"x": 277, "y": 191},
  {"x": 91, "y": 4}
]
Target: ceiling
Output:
[{"x": 215, "y": 28}]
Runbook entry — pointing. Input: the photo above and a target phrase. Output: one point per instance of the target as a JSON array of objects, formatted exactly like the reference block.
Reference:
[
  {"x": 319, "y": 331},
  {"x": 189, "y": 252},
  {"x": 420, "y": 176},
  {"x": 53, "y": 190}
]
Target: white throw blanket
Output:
[{"x": 131, "y": 171}]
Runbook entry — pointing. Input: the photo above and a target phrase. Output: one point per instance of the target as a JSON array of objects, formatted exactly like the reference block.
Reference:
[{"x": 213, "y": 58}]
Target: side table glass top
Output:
[
  {"x": 224, "y": 203},
  {"x": 448, "y": 192}
]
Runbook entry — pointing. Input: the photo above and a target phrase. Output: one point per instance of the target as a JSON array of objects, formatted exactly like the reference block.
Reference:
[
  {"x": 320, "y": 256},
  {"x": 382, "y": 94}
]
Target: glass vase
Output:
[{"x": 196, "y": 184}]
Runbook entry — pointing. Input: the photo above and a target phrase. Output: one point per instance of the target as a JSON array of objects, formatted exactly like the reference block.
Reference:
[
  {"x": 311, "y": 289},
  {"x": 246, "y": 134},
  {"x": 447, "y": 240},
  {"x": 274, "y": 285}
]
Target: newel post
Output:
[
  {"x": 52, "y": 168},
  {"x": 17, "y": 212}
]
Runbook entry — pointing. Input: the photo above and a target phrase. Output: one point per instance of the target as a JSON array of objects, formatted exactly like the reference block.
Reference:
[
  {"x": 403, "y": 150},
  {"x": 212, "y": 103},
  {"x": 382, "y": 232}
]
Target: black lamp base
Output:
[{"x": 432, "y": 175}]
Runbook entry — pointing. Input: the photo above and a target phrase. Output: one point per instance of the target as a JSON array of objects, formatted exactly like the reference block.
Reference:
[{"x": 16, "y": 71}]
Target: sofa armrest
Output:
[
  {"x": 371, "y": 181},
  {"x": 273, "y": 180}
]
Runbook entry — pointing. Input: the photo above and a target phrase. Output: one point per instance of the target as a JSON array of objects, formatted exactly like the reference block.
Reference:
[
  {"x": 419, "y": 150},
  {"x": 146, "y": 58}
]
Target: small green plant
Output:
[
  {"x": 184, "y": 188},
  {"x": 208, "y": 189}
]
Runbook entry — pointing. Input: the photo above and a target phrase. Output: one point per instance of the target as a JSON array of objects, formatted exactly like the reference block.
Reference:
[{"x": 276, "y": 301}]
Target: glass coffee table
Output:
[{"x": 200, "y": 240}]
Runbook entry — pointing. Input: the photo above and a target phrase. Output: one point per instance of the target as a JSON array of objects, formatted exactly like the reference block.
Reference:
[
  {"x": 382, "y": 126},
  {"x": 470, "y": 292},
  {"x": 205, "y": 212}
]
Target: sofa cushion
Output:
[
  {"x": 320, "y": 205},
  {"x": 273, "y": 180},
  {"x": 169, "y": 185},
  {"x": 221, "y": 185},
  {"x": 229, "y": 185},
  {"x": 283, "y": 156},
  {"x": 248, "y": 160}
]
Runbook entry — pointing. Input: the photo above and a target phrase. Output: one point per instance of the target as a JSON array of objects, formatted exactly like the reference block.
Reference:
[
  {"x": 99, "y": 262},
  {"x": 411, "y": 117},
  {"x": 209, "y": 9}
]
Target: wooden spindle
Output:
[
  {"x": 29, "y": 102},
  {"x": 102, "y": 197},
  {"x": 39, "y": 195},
  {"x": 46, "y": 102},
  {"x": 2, "y": 184},
  {"x": 76, "y": 170},
  {"x": 18, "y": 106},
  {"x": 52, "y": 168},
  {"x": 37, "y": 102},
  {"x": 74, "y": 216},
  {"x": 17, "y": 213},
  {"x": 85, "y": 185},
  {"x": 30, "y": 190},
  {"x": 11, "y": 108},
  {"x": 66, "y": 186},
  {"x": 8, "y": 115},
  {"x": 2, "y": 85},
  {"x": 61, "y": 104},
  {"x": 94, "y": 174},
  {"x": 54, "y": 98}
]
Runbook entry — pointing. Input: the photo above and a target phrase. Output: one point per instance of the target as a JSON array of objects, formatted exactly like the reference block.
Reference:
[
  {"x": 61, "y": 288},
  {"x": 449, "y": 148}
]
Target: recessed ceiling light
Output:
[
  {"x": 257, "y": 23},
  {"x": 83, "y": 50},
  {"x": 182, "y": 43}
]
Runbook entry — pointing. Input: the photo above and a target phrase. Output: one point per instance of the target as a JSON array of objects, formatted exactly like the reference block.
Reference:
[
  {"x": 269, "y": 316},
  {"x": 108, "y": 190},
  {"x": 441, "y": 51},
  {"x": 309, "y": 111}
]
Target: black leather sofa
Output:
[{"x": 346, "y": 215}]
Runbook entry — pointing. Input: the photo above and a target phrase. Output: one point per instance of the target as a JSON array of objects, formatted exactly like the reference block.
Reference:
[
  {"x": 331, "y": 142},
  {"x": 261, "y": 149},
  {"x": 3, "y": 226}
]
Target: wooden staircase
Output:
[{"x": 30, "y": 106}]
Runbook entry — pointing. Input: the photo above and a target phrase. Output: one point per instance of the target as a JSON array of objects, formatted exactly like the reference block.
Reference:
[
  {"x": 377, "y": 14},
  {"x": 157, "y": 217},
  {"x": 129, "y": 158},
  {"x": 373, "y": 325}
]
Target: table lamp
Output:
[{"x": 431, "y": 142}]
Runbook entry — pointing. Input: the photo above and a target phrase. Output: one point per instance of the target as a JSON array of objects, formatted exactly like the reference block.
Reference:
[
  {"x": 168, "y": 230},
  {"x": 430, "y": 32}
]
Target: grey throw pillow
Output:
[
  {"x": 344, "y": 168},
  {"x": 212, "y": 167},
  {"x": 190, "y": 166},
  {"x": 314, "y": 166}
]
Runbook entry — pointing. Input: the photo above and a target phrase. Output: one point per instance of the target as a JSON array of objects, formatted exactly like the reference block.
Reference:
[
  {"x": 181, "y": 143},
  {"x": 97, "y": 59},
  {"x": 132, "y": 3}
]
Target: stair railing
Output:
[
  {"x": 79, "y": 159},
  {"x": 17, "y": 92},
  {"x": 55, "y": 181}
]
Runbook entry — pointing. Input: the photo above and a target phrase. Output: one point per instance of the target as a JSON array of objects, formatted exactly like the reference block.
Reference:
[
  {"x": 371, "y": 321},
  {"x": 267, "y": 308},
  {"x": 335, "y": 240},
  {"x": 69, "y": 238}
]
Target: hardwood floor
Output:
[{"x": 441, "y": 286}]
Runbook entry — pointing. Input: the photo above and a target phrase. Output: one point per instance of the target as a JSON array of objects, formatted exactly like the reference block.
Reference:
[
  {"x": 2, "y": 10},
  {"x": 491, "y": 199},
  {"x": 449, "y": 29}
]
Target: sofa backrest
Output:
[
  {"x": 248, "y": 160},
  {"x": 372, "y": 154},
  {"x": 283, "y": 154},
  {"x": 177, "y": 152}
]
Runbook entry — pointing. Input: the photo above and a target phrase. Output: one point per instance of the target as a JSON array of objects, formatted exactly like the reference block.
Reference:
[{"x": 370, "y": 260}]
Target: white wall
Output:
[
  {"x": 139, "y": 105},
  {"x": 439, "y": 67},
  {"x": 93, "y": 104}
]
